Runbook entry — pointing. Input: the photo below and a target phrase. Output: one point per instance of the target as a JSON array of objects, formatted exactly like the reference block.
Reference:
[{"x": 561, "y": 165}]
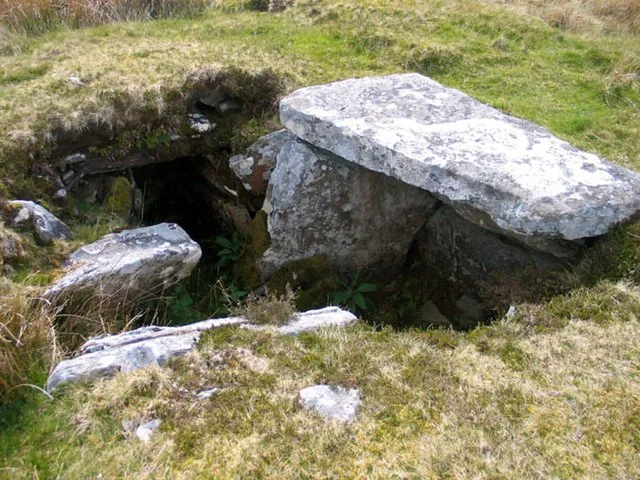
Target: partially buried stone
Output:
[
  {"x": 46, "y": 226},
  {"x": 331, "y": 402}
]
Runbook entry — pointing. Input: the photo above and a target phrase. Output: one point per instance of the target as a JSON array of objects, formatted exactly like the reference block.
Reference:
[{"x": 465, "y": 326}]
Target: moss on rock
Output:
[
  {"x": 120, "y": 200},
  {"x": 313, "y": 279},
  {"x": 256, "y": 243}
]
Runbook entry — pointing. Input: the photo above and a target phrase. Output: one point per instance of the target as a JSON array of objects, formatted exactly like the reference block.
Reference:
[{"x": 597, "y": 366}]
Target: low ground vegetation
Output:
[{"x": 551, "y": 392}]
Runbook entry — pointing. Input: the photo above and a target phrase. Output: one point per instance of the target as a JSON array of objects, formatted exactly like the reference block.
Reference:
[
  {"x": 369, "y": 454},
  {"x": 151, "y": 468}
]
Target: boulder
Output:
[
  {"x": 128, "y": 265},
  {"x": 319, "y": 204},
  {"x": 254, "y": 166},
  {"x": 331, "y": 402},
  {"x": 513, "y": 176},
  {"x": 46, "y": 226},
  {"x": 105, "y": 356}
]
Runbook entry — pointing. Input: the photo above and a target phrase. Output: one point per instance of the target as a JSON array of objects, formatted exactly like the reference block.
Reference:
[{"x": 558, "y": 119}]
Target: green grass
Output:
[
  {"x": 552, "y": 393},
  {"x": 501, "y": 402},
  {"x": 519, "y": 64}
]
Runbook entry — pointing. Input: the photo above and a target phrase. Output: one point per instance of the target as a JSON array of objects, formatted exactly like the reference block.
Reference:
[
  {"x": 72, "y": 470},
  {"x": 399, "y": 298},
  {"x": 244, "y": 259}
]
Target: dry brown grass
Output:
[
  {"x": 27, "y": 337},
  {"x": 36, "y": 16},
  {"x": 583, "y": 15}
]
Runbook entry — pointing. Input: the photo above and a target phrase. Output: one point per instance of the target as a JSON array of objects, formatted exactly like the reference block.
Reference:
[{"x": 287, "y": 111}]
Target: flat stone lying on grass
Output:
[
  {"x": 46, "y": 226},
  {"x": 331, "y": 402},
  {"x": 491, "y": 167},
  {"x": 313, "y": 320},
  {"x": 105, "y": 356},
  {"x": 208, "y": 393},
  {"x": 132, "y": 263}
]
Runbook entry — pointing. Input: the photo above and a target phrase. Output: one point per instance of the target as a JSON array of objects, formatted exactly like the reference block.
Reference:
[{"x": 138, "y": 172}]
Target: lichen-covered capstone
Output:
[{"x": 472, "y": 156}]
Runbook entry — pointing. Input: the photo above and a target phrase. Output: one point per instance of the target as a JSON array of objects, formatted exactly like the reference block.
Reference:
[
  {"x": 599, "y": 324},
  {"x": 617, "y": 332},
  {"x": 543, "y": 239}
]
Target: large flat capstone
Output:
[{"x": 473, "y": 157}]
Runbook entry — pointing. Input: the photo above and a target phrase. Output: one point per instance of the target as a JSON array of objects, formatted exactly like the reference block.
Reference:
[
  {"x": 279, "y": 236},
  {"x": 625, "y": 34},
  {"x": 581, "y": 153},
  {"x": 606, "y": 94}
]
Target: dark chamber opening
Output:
[{"x": 179, "y": 192}]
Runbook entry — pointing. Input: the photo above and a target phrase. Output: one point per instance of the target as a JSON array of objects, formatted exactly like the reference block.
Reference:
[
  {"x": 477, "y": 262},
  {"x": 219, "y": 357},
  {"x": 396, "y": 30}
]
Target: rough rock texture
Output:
[
  {"x": 525, "y": 180},
  {"x": 129, "y": 264},
  {"x": 105, "y": 356},
  {"x": 331, "y": 402},
  {"x": 318, "y": 204},
  {"x": 254, "y": 167},
  {"x": 463, "y": 259},
  {"x": 312, "y": 320},
  {"x": 46, "y": 226}
]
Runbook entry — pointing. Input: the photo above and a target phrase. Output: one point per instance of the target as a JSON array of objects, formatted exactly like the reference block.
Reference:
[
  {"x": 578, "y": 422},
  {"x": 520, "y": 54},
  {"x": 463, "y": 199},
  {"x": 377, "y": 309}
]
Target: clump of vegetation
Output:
[
  {"x": 230, "y": 249},
  {"x": 267, "y": 309},
  {"x": 28, "y": 344},
  {"x": 608, "y": 15},
  {"x": 353, "y": 294}
]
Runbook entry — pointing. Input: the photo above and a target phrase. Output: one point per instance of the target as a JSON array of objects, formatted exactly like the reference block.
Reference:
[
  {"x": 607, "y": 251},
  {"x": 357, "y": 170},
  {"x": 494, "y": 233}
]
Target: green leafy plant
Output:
[
  {"x": 230, "y": 249},
  {"x": 353, "y": 296},
  {"x": 180, "y": 306}
]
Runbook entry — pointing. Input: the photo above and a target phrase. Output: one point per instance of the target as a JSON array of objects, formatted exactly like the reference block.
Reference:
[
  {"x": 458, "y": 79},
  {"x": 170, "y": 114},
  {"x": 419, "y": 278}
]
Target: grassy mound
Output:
[{"x": 550, "y": 393}]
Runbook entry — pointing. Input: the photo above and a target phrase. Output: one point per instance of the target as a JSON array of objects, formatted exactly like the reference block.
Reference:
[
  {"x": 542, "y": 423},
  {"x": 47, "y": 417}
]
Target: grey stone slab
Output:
[{"x": 409, "y": 127}]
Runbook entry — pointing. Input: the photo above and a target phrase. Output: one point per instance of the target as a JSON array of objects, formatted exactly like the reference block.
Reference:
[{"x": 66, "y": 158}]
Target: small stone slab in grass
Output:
[
  {"x": 331, "y": 402},
  {"x": 105, "y": 356},
  {"x": 313, "y": 320},
  {"x": 144, "y": 347},
  {"x": 474, "y": 157}
]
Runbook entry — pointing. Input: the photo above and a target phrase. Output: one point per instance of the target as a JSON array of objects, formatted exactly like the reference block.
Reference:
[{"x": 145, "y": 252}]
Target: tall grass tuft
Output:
[
  {"x": 28, "y": 344},
  {"x": 32, "y": 17},
  {"x": 609, "y": 15}
]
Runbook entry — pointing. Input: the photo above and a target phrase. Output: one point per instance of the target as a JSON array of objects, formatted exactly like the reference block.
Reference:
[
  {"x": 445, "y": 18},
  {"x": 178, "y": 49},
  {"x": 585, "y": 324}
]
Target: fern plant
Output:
[{"x": 230, "y": 249}]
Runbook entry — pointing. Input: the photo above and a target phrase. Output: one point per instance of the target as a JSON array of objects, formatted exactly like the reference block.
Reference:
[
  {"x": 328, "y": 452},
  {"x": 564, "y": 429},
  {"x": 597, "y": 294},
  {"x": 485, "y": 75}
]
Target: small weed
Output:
[
  {"x": 353, "y": 295},
  {"x": 268, "y": 309},
  {"x": 230, "y": 250}
]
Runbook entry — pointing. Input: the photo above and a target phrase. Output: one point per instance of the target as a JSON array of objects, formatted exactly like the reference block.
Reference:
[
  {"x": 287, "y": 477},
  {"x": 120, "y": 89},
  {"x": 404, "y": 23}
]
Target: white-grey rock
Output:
[
  {"x": 313, "y": 320},
  {"x": 414, "y": 129},
  {"x": 105, "y": 356},
  {"x": 200, "y": 123},
  {"x": 208, "y": 393},
  {"x": 331, "y": 402},
  {"x": 46, "y": 226},
  {"x": 145, "y": 430},
  {"x": 319, "y": 204},
  {"x": 126, "y": 265},
  {"x": 254, "y": 166},
  {"x": 74, "y": 158},
  {"x": 77, "y": 81}
]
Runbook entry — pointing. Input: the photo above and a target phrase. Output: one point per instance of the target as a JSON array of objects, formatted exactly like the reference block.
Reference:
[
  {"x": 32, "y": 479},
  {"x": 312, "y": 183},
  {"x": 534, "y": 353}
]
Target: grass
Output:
[
  {"x": 499, "y": 402},
  {"x": 550, "y": 393},
  {"x": 39, "y": 16},
  {"x": 28, "y": 343}
]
